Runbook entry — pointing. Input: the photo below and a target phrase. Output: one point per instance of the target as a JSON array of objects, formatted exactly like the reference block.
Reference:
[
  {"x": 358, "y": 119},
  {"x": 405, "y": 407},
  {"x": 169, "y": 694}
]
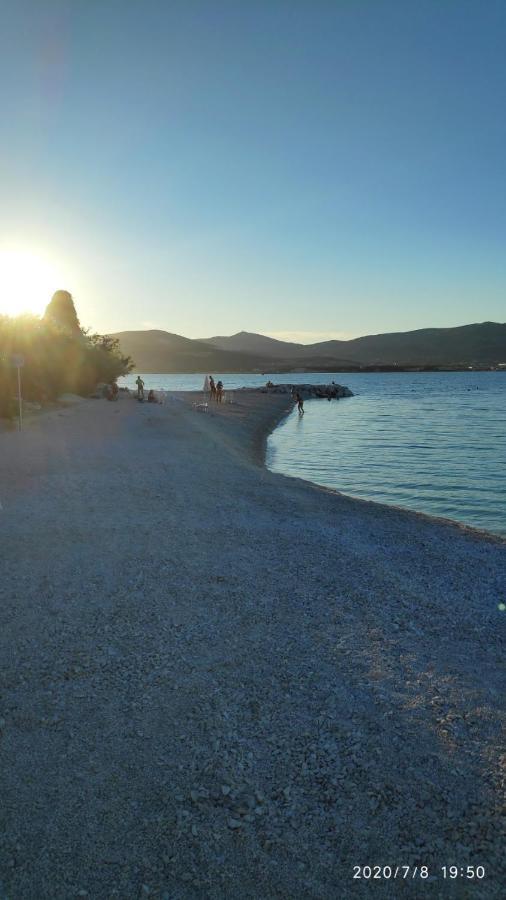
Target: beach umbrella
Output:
[{"x": 206, "y": 385}]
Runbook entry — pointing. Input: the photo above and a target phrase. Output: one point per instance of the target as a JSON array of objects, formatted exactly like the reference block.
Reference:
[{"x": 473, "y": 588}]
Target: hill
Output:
[
  {"x": 161, "y": 351},
  {"x": 257, "y": 344},
  {"x": 482, "y": 344},
  {"x": 465, "y": 345},
  {"x": 477, "y": 344}
]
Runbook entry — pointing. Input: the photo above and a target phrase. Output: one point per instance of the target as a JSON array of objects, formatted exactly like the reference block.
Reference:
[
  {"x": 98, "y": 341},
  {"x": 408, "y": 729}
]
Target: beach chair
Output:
[{"x": 200, "y": 407}]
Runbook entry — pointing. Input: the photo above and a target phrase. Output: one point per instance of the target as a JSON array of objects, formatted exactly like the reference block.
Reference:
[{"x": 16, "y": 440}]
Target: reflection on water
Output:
[{"x": 433, "y": 442}]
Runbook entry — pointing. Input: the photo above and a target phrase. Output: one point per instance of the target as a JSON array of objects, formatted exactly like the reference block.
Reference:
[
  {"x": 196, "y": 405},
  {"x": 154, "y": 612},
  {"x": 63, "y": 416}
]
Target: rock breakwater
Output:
[{"x": 324, "y": 391}]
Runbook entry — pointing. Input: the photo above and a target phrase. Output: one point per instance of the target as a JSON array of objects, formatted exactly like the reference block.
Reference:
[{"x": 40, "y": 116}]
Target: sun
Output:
[{"x": 28, "y": 279}]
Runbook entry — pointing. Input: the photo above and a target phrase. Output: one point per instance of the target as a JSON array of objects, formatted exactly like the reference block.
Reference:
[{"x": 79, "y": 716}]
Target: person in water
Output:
[{"x": 300, "y": 404}]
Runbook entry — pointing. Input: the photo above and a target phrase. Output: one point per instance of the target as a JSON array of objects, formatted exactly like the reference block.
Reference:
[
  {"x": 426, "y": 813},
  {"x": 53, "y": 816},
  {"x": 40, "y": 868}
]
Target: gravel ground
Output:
[{"x": 217, "y": 682}]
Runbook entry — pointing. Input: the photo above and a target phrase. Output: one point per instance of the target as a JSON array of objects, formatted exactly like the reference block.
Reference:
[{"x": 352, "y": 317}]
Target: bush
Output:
[{"x": 58, "y": 358}]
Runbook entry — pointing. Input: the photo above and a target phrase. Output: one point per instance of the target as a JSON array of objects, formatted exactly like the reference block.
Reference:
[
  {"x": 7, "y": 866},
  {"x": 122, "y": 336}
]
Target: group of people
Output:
[
  {"x": 140, "y": 391},
  {"x": 211, "y": 388},
  {"x": 215, "y": 390}
]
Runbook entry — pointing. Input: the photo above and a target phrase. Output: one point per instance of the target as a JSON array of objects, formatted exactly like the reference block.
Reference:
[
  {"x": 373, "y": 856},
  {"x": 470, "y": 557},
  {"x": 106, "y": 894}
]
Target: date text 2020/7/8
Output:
[{"x": 404, "y": 871}]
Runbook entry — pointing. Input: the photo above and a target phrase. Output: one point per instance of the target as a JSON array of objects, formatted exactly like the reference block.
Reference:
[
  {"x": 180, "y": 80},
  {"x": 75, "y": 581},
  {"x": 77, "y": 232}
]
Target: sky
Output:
[{"x": 306, "y": 169}]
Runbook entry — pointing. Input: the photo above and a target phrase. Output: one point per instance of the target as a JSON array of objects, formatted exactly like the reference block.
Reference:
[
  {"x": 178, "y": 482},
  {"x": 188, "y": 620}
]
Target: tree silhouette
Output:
[
  {"x": 61, "y": 312},
  {"x": 59, "y": 355}
]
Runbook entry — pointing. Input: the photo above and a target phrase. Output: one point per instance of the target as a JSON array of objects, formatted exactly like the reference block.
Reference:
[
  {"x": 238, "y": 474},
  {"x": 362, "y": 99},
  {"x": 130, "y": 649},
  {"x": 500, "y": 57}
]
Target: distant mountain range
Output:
[{"x": 482, "y": 345}]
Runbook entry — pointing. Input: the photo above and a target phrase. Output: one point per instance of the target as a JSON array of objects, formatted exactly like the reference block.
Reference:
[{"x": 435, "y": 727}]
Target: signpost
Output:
[{"x": 19, "y": 361}]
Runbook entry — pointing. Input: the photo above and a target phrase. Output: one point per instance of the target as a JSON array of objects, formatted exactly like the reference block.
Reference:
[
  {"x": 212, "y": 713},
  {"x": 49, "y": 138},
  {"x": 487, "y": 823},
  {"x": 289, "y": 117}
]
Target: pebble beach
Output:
[{"x": 221, "y": 682}]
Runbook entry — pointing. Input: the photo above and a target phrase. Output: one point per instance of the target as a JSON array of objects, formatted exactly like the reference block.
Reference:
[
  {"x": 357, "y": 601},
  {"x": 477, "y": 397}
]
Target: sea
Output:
[{"x": 434, "y": 442}]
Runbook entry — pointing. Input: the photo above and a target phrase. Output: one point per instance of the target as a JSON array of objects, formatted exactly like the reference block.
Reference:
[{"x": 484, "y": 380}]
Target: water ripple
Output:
[{"x": 445, "y": 455}]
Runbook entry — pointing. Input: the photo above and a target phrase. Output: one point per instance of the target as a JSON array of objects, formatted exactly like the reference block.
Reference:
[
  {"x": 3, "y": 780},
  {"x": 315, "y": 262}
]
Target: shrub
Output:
[{"x": 59, "y": 356}]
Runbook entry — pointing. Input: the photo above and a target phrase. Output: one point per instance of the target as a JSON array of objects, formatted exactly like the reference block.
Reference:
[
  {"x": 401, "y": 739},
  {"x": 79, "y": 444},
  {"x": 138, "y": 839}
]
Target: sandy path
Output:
[{"x": 220, "y": 682}]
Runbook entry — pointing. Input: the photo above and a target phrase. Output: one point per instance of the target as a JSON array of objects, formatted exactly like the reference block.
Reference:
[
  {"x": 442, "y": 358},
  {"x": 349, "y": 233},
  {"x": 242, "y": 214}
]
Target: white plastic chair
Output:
[{"x": 200, "y": 407}]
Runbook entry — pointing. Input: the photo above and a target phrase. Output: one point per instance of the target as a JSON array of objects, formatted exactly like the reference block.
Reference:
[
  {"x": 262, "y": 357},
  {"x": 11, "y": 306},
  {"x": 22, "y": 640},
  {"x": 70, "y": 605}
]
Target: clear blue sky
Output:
[{"x": 317, "y": 167}]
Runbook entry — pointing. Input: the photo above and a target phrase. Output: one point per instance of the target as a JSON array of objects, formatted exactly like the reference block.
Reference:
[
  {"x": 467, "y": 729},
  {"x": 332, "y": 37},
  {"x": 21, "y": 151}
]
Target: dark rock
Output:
[{"x": 322, "y": 391}]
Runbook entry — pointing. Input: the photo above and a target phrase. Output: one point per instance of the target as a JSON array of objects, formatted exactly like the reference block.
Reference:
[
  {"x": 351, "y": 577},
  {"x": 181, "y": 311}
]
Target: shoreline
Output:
[
  {"x": 461, "y": 526},
  {"x": 256, "y": 448},
  {"x": 248, "y": 681},
  {"x": 364, "y": 371}
]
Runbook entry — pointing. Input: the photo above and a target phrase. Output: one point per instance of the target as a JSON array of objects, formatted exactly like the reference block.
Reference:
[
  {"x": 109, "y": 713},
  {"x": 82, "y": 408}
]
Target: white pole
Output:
[{"x": 19, "y": 399}]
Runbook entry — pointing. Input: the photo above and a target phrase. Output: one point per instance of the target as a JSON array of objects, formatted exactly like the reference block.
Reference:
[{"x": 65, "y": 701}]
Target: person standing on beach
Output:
[
  {"x": 140, "y": 388},
  {"x": 219, "y": 392},
  {"x": 212, "y": 387}
]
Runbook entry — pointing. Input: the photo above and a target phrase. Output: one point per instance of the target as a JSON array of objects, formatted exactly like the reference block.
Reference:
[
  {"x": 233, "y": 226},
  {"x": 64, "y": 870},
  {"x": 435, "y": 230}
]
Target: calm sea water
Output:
[{"x": 433, "y": 442}]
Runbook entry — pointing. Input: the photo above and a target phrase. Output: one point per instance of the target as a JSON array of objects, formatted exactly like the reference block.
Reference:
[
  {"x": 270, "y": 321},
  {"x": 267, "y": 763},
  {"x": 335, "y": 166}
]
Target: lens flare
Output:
[{"x": 28, "y": 279}]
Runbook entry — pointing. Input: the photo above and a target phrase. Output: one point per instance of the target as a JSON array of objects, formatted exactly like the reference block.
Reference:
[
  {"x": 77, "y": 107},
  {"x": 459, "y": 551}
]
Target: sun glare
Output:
[{"x": 28, "y": 280}]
